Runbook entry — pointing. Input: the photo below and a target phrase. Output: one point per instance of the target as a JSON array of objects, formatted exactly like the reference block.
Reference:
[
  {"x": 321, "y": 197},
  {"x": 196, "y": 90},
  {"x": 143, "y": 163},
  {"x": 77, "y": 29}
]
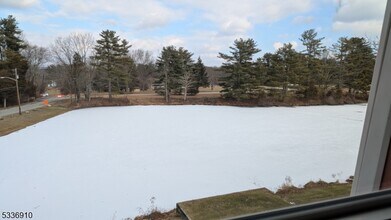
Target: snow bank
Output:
[{"x": 106, "y": 163}]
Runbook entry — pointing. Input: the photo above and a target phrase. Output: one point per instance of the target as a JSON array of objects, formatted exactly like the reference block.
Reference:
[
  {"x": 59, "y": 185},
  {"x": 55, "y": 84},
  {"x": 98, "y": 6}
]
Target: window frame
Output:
[{"x": 376, "y": 134}]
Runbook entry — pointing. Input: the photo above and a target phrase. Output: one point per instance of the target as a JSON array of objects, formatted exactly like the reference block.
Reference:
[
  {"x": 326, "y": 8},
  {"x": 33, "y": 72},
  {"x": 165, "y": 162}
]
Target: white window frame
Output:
[{"x": 376, "y": 134}]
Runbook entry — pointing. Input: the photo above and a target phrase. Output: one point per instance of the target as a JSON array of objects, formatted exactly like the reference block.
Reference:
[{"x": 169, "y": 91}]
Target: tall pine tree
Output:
[
  {"x": 166, "y": 69},
  {"x": 242, "y": 81},
  {"x": 174, "y": 72},
  {"x": 11, "y": 44},
  {"x": 359, "y": 64},
  {"x": 339, "y": 51},
  {"x": 200, "y": 76},
  {"x": 111, "y": 60},
  {"x": 290, "y": 67},
  {"x": 77, "y": 67},
  {"x": 312, "y": 53}
]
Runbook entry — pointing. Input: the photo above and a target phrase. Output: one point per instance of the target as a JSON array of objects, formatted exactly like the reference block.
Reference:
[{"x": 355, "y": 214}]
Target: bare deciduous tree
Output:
[
  {"x": 145, "y": 67},
  {"x": 186, "y": 81},
  {"x": 36, "y": 57},
  {"x": 214, "y": 74},
  {"x": 65, "y": 50}
]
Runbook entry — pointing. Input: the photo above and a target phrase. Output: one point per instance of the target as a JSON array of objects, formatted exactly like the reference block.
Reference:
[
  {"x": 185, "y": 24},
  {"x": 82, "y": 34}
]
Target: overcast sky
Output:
[{"x": 205, "y": 27}]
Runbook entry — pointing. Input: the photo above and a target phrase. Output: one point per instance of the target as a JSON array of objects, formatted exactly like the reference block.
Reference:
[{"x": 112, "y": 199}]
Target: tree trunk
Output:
[
  {"x": 89, "y": 92},
  {"x": 77, "y": 95},
  {"x": 4, "y": 102},
  {"x": 284, "y": 90},
  {"x": 119, "y": 88},
  {"x": 89, "y": 87},
  {"x": 166, "y": 88},
  {"x": 77, "y": 92},
  {"x": 110, "y": 96},
  {"x": 43, "y": 86},
  {"x": 185, "y": 94}
]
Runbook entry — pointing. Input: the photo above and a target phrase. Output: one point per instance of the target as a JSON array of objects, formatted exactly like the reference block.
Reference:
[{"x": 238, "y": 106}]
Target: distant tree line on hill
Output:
[{"x": 78, "y": 64}]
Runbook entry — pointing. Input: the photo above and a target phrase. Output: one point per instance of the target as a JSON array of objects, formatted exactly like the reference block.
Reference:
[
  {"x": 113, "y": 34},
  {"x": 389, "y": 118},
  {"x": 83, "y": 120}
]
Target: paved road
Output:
[
  {"x": 38, "y": 103},
  {"x": 28, "y": 106}
]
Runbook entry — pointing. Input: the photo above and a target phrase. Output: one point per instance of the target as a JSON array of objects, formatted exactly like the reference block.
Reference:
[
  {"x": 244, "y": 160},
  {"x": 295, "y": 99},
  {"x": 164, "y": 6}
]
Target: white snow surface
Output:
[{"x": 107, "y": 163}]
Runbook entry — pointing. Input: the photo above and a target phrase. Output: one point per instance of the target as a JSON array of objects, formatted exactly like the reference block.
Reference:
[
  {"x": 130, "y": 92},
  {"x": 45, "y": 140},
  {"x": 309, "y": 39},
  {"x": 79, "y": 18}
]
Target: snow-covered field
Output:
[{"x": 107, "y": 163}]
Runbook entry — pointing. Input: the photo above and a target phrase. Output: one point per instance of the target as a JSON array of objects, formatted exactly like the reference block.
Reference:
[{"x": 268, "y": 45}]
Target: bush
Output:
[
  {"x": 311, "y": 92},
  {"x": 335, "y": 93},
  {"x": 307, "y": 92}
]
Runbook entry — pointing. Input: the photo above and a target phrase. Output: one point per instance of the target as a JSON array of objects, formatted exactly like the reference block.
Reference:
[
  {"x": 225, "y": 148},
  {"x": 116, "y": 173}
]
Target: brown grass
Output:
[
  {"x": 314, "y": 191},
  {"x": 247, "y": 202},
  {"x": 157, "y": 215},
  {"x": 11, "y": 123},
  {"x": 234, "y": 204},
  {"x": 206, "y": 99}
]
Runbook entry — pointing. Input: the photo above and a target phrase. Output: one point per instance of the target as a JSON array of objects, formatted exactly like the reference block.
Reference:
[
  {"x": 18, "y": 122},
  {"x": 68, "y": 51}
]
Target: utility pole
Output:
[
  {"x": 17, "y": 90},
  {"x": 17, "y": 87}
]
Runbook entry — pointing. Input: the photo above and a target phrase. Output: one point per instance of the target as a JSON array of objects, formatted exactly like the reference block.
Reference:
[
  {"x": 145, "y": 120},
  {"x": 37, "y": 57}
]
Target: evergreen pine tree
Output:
[
  {"x": 270, "y": 65},
  {"x": 312, "y": 44},
  {"x": 290, "y": 67},
  {"x": 126, "y": 79},
  {"x": 339, "y": 51},
  {"x": 359, "y": 62},
  {"x": 111, "y": 59},
  {"x": 76, "y": 70},
  {"x": 242, "y": 81},
  {"x": 11, "y": 44},
  {"x": 10, "y": 36},
  {"x": 173, "y": 66},
  {"x": 312, "y": 53},
  {"x": 200, "y": 76},
  {"x": 165, "y": 67}
]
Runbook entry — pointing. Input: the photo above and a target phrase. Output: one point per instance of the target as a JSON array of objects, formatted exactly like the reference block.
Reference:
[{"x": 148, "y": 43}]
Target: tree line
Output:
[
  {"x": 78, "y": 64},
  {"x": 315, "y": 72}
]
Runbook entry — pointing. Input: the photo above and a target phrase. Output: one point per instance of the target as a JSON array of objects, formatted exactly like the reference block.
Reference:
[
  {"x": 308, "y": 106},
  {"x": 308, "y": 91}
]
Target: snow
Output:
[{"x": 107, "y": 163}]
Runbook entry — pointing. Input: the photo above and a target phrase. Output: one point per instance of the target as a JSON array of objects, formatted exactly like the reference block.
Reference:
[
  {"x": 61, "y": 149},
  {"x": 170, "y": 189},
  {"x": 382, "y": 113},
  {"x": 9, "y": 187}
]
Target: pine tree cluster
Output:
[
  {"x": 312, "y": 73},
  {"x": 178, "y": 74}
]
